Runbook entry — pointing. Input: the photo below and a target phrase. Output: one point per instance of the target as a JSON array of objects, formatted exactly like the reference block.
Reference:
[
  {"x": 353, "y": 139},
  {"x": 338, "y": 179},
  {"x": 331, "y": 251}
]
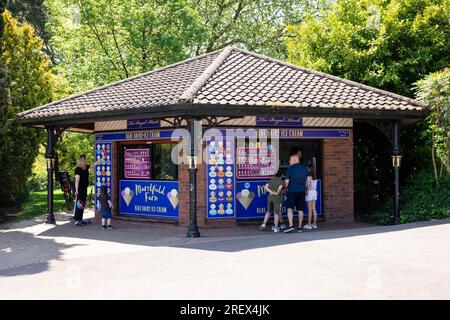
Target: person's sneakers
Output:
[
  {"x": 104, "y": 227},
  {"x": 262, "y": 227},
  {"x": 276, "y": 229},
  {"x": 314, "y": 226},
  {"x": 307, "y": 227},
  {"x": 80, "y": 224},
  {"x": 110, "y": 227},
  {"x": 283, "y": 226},
  {"x": 299, "y": 229},
  {"x": 289, "y": 230}
]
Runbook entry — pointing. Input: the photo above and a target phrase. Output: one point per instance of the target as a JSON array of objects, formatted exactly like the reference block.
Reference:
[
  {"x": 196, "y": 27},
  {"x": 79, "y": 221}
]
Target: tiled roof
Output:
[{"x": 228, "y": 77}]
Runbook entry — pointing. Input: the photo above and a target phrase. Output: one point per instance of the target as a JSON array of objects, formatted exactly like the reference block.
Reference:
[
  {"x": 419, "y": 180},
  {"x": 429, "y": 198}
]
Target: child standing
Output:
[
  {"x": 311, "y": 198},
  {"x": 275, "y": 189},
  {"x": 105, "y": 206}
]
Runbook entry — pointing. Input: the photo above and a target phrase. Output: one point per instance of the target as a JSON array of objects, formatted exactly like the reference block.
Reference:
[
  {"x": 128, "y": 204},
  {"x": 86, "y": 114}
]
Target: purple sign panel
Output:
[
  {"x": 137, "y": 163},
  {"x": 255, "y": 162},
  {"x": 143, "y": 123},
  {"x": 279, "y": 121}
]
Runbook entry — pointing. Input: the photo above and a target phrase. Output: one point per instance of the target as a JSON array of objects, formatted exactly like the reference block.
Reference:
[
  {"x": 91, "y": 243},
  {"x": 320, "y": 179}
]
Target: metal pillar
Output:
[
  {"x": 50, "y": 156},
  {"x": 193, "y": 228},
  {"x": 396, "y": 159}
]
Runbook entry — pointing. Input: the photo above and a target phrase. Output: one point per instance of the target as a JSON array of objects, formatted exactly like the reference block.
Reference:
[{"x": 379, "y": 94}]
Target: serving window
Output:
[{"x": 148, "y": 162}]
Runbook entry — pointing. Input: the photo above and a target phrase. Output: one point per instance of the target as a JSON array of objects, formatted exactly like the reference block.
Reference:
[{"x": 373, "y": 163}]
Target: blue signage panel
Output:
[
  {"x": 220, "y": 178},
  {"x": 304, "y": 133},
  {"x": 135, "y": 135},
  {"x": 143, "y": 123},
  {"x": 251, "y": 200},
  {"x": 280, "y": 133},
  {"x": 149, "y": 198},
  {"x": 279, "y": 121},
  {"x": 103, "y": 171}
]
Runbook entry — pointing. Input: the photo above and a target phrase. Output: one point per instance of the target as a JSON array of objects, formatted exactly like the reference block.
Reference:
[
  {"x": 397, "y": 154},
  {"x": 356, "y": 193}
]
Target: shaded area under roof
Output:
[{"x": 227, "y": 82}]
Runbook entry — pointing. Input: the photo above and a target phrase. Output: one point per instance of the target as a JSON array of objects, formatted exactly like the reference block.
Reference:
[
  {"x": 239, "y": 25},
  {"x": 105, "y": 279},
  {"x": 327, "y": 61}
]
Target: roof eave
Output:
[{"x": 198, "y": 110}]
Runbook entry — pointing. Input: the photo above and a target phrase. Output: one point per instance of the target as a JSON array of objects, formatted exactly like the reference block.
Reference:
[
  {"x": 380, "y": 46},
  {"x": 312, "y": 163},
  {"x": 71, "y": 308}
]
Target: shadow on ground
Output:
[
  {"x": 235, "y": 239},
  {"x": 23, "y": 253}
]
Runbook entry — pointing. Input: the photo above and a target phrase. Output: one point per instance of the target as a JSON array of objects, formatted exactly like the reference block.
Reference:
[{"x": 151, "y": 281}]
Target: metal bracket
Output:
[
  {"x": 177, "y": 121},
  {"x": 384, "y": 126},
  {"x": 213, "y": 121}
]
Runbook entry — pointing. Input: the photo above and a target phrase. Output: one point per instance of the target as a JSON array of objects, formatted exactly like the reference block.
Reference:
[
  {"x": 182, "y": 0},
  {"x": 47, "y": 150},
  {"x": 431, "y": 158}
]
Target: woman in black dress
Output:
[{"x": 81, "y": 185}]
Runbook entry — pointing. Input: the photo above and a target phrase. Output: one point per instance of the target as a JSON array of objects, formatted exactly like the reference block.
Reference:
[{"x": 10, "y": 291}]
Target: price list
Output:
[
  {"x": 137, "y": 163},
  {"x": 255, "y": 162}
]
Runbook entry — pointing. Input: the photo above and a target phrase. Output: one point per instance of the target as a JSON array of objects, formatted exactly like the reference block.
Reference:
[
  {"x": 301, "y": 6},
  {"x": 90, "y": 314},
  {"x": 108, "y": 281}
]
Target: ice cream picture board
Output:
[
  {"x": 220, "y": 179},
  {"x": 103, "y": 172}
]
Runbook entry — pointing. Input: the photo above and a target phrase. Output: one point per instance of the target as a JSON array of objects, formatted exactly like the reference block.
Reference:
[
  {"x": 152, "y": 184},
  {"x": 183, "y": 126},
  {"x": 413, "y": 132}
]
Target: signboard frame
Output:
[{"x": 151, "y": 191}]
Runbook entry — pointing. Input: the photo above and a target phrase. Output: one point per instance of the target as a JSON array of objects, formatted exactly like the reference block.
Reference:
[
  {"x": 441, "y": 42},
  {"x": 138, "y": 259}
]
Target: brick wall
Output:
[{"x": 338, "y": 180}]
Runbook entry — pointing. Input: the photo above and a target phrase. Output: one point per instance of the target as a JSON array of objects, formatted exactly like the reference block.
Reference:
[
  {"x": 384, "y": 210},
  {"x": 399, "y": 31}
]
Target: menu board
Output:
[
  {"x": 220, "y": 178},
  {"x": 137, "y": 163},
  {"x": 103, "y": 170},
  {"x": 256, "y": 162}
]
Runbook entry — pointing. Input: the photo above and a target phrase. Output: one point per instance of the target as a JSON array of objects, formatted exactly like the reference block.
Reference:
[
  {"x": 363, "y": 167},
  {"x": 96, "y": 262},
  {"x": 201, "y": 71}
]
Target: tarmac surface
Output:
[{"x": 153, "y": 261}]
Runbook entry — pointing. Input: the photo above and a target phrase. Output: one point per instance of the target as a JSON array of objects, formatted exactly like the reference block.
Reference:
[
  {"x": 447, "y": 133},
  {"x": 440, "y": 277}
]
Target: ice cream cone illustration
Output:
[
  {"x": 127, "y": 195},
  {"x": 173, "y": 197},
  {"x": 245, "y": 197}
]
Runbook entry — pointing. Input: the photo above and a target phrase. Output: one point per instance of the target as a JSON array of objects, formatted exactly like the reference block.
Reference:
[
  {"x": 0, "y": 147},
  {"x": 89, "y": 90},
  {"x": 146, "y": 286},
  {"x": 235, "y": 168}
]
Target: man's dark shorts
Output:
[{"x": 296, "y": 200}]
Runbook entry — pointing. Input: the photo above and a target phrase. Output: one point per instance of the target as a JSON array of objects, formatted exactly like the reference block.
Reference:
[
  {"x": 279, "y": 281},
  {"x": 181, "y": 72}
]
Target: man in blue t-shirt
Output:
[{"x": 295, "y": 183}]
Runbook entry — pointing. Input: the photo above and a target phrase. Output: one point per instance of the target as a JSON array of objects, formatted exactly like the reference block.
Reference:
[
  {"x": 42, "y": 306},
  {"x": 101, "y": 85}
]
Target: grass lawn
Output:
[{"x": 35, "y": 205}]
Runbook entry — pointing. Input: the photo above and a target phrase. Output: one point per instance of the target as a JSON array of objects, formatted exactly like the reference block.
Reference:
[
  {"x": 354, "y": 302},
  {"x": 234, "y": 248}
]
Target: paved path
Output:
[{"x": 39, "y": 261}]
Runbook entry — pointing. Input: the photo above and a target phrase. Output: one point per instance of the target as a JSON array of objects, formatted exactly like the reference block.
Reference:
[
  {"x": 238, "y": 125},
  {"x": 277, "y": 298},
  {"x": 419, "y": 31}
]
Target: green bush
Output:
[
  {"x": 37, "y": 182},
  {"x": 421, "y": 199}
]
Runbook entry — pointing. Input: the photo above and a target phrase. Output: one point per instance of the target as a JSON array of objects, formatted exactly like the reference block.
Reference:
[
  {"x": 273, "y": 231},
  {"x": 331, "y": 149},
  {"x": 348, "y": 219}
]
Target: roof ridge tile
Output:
[{"x": 195, "y": 87}]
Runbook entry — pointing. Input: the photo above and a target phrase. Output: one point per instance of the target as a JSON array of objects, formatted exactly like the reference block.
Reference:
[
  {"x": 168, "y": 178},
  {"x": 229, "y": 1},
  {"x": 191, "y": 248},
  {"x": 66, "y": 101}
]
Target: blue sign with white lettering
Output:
[
  {"x": 150, "y": 198},
  {"x": 279, "y": 121},
  {"x": 135, "y": 135},
  {"x": 251, "y": 200},
  {"x": 143, "y": 123}
]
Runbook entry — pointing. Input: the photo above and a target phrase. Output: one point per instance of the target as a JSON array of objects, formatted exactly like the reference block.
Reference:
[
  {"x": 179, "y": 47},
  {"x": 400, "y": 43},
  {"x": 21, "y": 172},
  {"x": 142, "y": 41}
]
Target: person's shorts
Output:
[
  {"x": 311, "y": 196},
  {"x": 106, "y": 214},
  {"x": 296, "y": 200},
  {"x": 274, "y": 204}
]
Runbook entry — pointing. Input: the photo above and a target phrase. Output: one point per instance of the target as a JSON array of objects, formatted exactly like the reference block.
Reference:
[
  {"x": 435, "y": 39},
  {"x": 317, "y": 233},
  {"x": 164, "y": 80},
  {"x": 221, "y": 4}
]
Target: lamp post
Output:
[
  {"x": 396, "y": 160},
  {"x": 192, "y": 159},
  {"x": 50, "y": 157}
]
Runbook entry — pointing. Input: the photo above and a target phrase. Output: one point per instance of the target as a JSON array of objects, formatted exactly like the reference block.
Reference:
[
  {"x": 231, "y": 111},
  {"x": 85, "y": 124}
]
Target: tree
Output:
[
  {"x": 4, "y": 90},
  {"x": 434, "y": 90},
  {"x": 31, "y": 84},
  {"x": 101, "y": 41},
  {"x": 388, "y": 44},
  {"x": 254, "y": 25},
  {"x": 35, "y": 13}
]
